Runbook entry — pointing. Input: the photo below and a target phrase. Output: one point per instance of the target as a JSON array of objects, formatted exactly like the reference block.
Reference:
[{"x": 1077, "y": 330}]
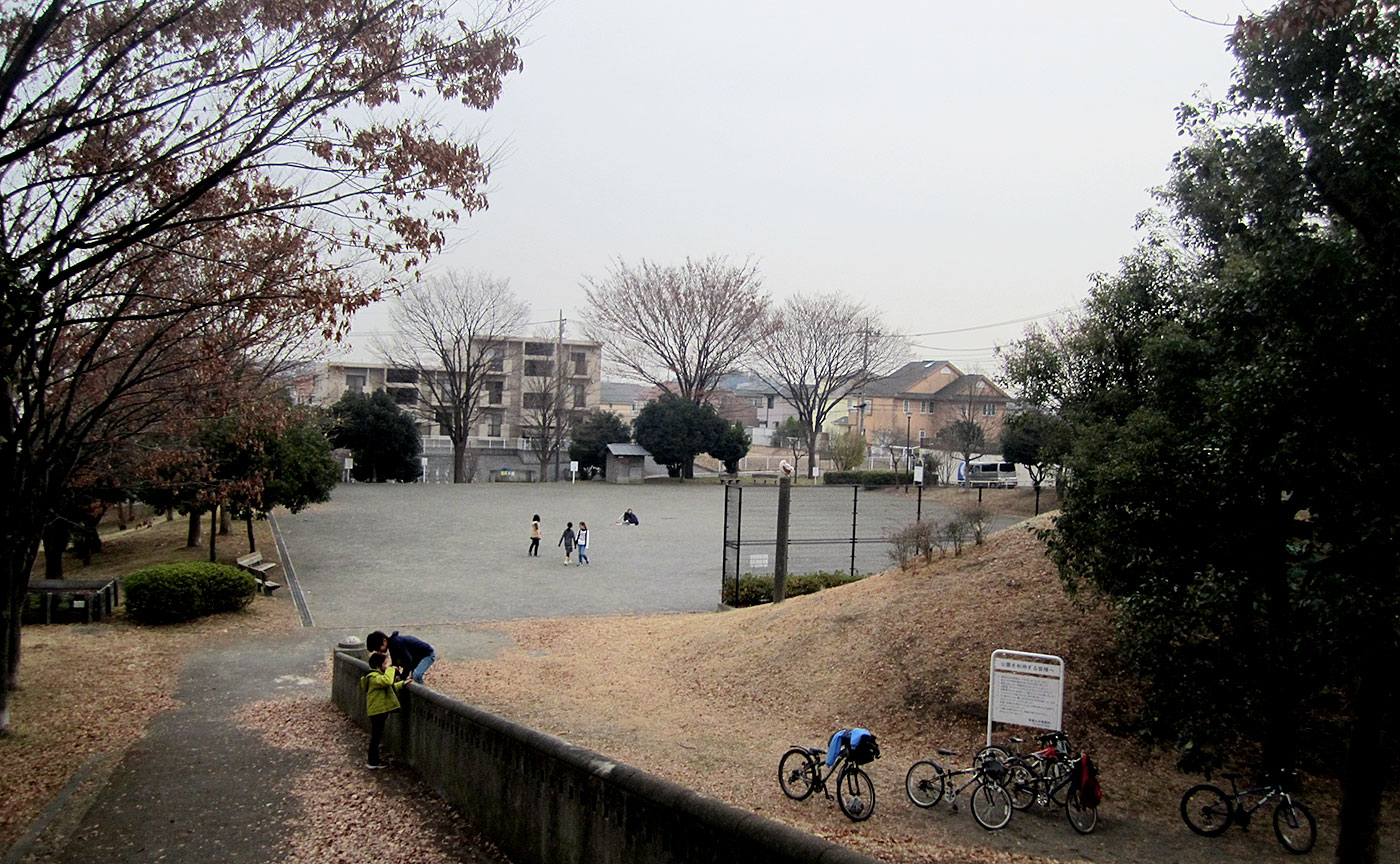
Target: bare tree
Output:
[
  {"x": 679, "y": 328},
  {"x": 549, "y": 406},
  {"x": 451, "y": 332},
  {"x": 818, "y": 351}
]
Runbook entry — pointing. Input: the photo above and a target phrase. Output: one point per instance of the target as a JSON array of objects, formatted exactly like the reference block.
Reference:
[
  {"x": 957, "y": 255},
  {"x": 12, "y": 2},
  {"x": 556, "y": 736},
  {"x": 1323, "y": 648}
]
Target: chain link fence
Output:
[{"x": 830, "y": 529}]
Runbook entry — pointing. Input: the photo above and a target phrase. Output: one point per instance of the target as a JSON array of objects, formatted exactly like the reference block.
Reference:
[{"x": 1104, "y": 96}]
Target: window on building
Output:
[
  {"x": 495, "y": 392},
  {"x": 906, "y": 406},
  {"x": 579, "y": 361},
  {"x": 989, "y": 409},
  {"x": 493, "y": 426},
  {"x": 535, "y": 400},
  {"x": 404, "y": 395},
  {"x": 539, "y": 368},
  {"x": 580, "y": 396},
  {"x": 923, "y": 433},
  {"x": 770, "y": 402},
  {"x": 495, "y": 359},
  {"x": 401, "y": 376},
  {"x": 539, "y": 349},
  {"x": 355, "y": 383}
]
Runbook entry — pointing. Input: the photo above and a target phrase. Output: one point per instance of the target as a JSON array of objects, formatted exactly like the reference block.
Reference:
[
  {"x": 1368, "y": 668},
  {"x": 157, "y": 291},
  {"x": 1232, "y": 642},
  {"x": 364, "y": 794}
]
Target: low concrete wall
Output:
[{"x": 545, "y": 801}]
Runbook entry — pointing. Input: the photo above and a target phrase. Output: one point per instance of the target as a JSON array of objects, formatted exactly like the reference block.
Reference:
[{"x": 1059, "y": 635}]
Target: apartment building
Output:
[{"x": 520, "y": 380}]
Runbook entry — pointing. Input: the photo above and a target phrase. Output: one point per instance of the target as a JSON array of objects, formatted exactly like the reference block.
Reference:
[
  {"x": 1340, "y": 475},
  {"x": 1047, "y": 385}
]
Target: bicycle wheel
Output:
[
  {"x": 991, "y": 806},
  {"x": 797, "y": 774},
  {"x": 1207, "y": 810},
  {"x": 1082, "y": 818},
  {"x": 925, "y": 784},
  {"x": 1022, "y": 784},
  {"x": 1056, "y": 776},
  {"x": 995, "y": 751},
  {"x": 1295, "y": 827},
  {"x": 855, "y": 794}
]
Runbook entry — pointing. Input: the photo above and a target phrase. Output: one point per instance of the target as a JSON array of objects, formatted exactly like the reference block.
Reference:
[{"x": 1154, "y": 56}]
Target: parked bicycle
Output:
[
  {"x": 1208, "y": 811},
  {"x": 927, "y": 783},
  {"x": 1054, "y": 781},
  {"x": 800, "y": 772}
]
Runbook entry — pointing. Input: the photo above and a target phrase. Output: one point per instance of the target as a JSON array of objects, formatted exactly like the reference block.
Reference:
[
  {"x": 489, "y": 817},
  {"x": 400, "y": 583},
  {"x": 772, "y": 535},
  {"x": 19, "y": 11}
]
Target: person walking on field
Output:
[
  {"x": 567, "y": 541},
  {"x": 582, "y": 542},
  {"x": 535, "y": 536}
]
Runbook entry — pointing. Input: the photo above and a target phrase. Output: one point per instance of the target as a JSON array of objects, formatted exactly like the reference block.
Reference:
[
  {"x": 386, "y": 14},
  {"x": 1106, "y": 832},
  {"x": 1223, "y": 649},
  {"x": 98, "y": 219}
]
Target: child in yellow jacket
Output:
[{"x": 381, "y": 698}]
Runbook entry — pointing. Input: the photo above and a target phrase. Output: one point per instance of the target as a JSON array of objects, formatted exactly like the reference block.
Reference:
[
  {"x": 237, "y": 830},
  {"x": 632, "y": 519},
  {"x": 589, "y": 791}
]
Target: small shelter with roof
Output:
[{"x": 627, "y": 463}]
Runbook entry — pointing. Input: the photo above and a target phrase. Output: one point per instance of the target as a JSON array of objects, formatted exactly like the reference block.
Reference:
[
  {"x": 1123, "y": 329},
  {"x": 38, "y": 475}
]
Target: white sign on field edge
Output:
[{"x": 1027, "y": 690}]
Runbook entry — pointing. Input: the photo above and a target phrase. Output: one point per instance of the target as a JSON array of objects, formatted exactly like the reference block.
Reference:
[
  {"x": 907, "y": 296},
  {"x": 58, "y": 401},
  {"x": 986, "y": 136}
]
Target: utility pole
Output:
[{"x": 558, "y": 395}]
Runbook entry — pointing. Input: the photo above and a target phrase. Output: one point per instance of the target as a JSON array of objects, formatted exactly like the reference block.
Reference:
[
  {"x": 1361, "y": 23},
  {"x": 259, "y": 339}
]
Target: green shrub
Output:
[
  {"x": 167, "y": 593},
  {"x": 756, "y": 590},
  {"x": 868, "y": 479}
]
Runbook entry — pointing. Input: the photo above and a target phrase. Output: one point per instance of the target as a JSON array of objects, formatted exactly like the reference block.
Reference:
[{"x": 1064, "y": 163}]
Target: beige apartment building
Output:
[
  {"x": 520, "y": 376},
  {"x": 918, "y": 399}
]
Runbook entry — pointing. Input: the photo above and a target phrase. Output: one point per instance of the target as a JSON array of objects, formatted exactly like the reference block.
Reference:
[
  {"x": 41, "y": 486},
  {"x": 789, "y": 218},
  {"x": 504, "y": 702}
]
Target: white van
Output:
[{"x": 987, "y": 475}]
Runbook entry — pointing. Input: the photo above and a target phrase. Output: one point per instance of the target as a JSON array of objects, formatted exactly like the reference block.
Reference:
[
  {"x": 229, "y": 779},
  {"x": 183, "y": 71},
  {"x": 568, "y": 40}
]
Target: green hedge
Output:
[
  {"x": 755, "y": 590},
  {"x": 868, "y": 479},
  {"x": 167, "y": 593}
]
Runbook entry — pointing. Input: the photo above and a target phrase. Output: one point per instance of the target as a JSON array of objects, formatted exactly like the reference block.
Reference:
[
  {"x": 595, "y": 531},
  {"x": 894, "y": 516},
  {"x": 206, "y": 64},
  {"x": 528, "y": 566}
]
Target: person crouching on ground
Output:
[
  {"x": 412, "y": 656},
  {"x": 381, "y": 700}
]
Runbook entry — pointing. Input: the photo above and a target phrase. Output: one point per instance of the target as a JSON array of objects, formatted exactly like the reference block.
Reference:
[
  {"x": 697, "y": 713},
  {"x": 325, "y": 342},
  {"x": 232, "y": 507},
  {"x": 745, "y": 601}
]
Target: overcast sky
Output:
[{"x": 953, "y": 165}]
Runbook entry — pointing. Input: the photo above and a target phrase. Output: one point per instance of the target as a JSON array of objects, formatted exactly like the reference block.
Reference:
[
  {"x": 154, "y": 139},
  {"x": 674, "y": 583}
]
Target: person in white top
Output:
[{"x": 582, "y": 540}]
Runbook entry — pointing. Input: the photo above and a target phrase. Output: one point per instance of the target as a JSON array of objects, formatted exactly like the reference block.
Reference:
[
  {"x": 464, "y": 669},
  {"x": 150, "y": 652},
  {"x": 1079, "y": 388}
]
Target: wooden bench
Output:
[
  {"x": 253, "y": 562},
  {"x": 58, "y": 600}
]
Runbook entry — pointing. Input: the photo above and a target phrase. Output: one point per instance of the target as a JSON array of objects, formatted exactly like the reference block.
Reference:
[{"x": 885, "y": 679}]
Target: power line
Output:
[{"x": 987, "y": 326}]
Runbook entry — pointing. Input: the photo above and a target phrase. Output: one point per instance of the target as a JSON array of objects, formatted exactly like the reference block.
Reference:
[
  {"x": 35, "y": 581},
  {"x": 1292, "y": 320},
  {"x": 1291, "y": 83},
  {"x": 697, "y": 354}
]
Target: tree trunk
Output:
[
  {"x": 811, "y": 454},
  {"x": 55, "y": 541},
  {"x": 252, "y": 544},
  {"x": 1365, "y": 772},
  {"x": 459, "y": 462},
  {"x": 213, "y": 533},
  {"x": 225, "y": 521},
  {"x": 21, "y": 542},
  {"x": 192, "y": 537},
  {"x": 1036, "y": 486}
]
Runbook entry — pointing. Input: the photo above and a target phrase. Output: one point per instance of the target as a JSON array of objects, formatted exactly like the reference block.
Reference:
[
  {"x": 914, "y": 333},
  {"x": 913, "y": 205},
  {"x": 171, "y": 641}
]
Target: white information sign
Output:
[
  {"x": 1027, "y": 690},
  {"x": 758, "y": 561},
  {"x": 918, "y": 475}
]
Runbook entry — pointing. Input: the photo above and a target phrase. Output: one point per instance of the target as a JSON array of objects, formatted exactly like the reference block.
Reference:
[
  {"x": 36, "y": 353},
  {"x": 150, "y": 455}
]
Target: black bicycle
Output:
[
  {"x": 927, "y": 783},
  {"x": 1208, "y": 811},
  {"x": 1049, "y": 777},
  {"x": 800, "y": 774}
]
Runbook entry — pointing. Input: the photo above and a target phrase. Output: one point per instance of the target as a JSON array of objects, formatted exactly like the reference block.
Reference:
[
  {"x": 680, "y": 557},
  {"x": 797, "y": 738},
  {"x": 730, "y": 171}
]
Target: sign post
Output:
[
  {"x": 1027, "y": 690},
  {"x": 573, "y": 471}
]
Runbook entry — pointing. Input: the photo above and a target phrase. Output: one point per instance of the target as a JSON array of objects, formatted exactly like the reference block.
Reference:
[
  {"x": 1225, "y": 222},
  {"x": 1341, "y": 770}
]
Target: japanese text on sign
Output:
[{"x": 1027, "y": 690}]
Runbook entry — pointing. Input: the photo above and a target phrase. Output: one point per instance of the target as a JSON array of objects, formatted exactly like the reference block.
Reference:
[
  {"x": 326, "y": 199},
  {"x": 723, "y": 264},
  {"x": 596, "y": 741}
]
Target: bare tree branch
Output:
[
  {"x": 818, "y": 351},
  {"x": 678, "y": 328},
  {"x": 452, "y": 333}
]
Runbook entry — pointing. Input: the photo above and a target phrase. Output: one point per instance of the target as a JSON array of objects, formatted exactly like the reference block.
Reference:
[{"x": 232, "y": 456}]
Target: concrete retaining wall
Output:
[{"x": 545, "y": 801}]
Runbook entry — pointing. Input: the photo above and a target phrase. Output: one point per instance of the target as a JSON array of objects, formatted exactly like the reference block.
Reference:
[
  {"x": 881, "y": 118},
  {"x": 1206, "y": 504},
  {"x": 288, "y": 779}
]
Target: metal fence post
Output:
[
  {"x": 780, "y": 556},
  {"x": 855, "y": 498},
  {"x": 738, "y": 542}
]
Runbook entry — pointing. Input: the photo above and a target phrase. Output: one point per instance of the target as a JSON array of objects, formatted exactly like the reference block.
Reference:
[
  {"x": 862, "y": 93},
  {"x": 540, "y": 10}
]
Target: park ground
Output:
[{"x": 708, "y": 700}]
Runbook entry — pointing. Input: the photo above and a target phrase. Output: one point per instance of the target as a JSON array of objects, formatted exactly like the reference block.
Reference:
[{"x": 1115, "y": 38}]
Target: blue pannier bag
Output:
[{"x": 860, "y": 743}]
